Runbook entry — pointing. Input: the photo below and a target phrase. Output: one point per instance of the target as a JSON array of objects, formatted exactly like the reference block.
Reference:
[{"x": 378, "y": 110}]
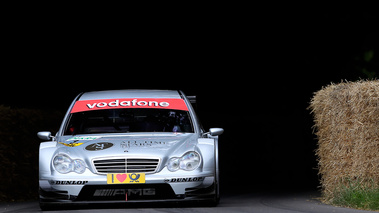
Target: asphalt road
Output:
[{"x": 242, "y": 202}]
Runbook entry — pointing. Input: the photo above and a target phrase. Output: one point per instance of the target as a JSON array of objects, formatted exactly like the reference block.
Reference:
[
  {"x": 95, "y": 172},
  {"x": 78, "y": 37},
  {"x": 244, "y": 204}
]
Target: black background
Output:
[{"x": 253, "y": 70}]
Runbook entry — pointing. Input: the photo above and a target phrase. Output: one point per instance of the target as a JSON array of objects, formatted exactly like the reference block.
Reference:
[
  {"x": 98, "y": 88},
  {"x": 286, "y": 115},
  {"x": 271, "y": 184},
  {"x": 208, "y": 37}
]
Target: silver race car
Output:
[{"x": 129, "y": 146}]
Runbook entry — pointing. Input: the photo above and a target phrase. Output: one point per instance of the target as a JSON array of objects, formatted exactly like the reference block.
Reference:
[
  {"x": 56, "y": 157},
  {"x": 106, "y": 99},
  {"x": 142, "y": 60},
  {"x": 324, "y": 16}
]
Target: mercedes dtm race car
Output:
[{"x": 129, "y": 146}]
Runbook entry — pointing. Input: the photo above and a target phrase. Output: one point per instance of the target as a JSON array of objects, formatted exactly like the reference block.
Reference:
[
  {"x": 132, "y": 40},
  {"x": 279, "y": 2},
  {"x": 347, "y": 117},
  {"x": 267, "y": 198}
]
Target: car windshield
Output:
[{"x": 129, "y": 120}]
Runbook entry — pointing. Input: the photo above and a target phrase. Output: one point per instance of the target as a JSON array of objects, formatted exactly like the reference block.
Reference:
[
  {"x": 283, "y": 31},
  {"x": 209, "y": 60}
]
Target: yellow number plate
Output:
[{"x": 125, "y": 178}]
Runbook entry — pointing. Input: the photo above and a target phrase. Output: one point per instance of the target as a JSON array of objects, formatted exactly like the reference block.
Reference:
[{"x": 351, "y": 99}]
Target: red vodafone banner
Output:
[{"x": 154, "y": 103}]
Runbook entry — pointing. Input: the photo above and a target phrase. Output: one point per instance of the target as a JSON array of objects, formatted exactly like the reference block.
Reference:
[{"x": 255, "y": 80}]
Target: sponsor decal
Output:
[
  {"x": 88, "y": 138},
  {"x": 68, "y": 182},
  {"x": 178, "y": 180},
  {"x": 99, "y": 146},
  {"x": 134, "y": 178},
  {"x": 129, "y": 178},
  {"x": 154, "y": 103},
  {"x": 71, "y": 144},
  {"x": 126, "y": 145},
  {"x": 123, "y": 192}
]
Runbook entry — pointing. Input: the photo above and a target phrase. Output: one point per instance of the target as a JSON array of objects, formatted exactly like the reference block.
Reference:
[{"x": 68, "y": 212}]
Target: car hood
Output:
[{"x": 136, "y": 145}]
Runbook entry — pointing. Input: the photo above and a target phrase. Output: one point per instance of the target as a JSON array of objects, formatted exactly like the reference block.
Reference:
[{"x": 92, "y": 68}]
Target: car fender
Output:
[
  {"x": 46, "y": 152},
  {"x": 207, "y": 148}
]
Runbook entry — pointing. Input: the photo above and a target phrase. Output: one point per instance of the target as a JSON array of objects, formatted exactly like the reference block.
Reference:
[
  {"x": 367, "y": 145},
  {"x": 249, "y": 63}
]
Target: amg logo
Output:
[
  {"x": 123, "y": 192},
  {"x": 63, "y": 182}
]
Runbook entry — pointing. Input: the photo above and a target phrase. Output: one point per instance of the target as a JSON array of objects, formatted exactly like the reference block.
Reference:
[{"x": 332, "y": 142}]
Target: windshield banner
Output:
[{"x": 154, "y": 103}]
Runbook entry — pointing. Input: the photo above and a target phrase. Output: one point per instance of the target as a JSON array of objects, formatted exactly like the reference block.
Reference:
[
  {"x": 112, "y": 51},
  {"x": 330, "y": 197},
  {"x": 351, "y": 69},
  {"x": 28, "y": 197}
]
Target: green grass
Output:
[{"x": 357, "y": 196}]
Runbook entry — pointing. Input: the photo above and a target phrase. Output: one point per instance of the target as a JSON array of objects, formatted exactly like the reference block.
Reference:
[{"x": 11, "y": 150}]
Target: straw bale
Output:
[{"x": 346, "y": 117}]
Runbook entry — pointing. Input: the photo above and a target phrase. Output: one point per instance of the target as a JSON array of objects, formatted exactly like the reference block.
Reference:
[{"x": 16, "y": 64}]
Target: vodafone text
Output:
[
  {"x": 156, "y": 103},
  {"x": 134, "y": 102}
]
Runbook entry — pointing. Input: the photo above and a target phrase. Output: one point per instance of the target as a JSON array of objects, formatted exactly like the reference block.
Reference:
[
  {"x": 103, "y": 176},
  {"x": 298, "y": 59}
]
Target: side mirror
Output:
[
  {"x": 44, "y": 135},
  {"x": 216, "y": 131}
]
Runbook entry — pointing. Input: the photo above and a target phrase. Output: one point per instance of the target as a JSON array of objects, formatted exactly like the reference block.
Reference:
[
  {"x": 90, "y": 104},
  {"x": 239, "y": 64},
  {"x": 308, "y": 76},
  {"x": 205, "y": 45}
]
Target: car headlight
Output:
[
  {"x": 79, "y": 166},
  {"x": 64, "y": 164},
  {"x": 188, "y": 162},
  {"x": 173, "y": 164}
]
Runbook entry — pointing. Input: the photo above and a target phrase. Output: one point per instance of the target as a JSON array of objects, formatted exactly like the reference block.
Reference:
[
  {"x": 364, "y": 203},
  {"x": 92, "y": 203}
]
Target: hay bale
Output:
[{"x": 346, "y": 117}]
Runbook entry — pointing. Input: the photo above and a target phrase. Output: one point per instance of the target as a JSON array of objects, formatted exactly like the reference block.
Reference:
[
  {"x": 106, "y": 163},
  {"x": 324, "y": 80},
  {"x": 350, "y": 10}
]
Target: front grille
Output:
[{"x": 126, "y": 165}]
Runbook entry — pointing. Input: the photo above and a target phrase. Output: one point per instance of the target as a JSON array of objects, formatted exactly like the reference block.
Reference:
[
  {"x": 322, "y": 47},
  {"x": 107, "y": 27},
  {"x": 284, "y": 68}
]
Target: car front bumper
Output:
[{"x": 157, "y": 187}]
